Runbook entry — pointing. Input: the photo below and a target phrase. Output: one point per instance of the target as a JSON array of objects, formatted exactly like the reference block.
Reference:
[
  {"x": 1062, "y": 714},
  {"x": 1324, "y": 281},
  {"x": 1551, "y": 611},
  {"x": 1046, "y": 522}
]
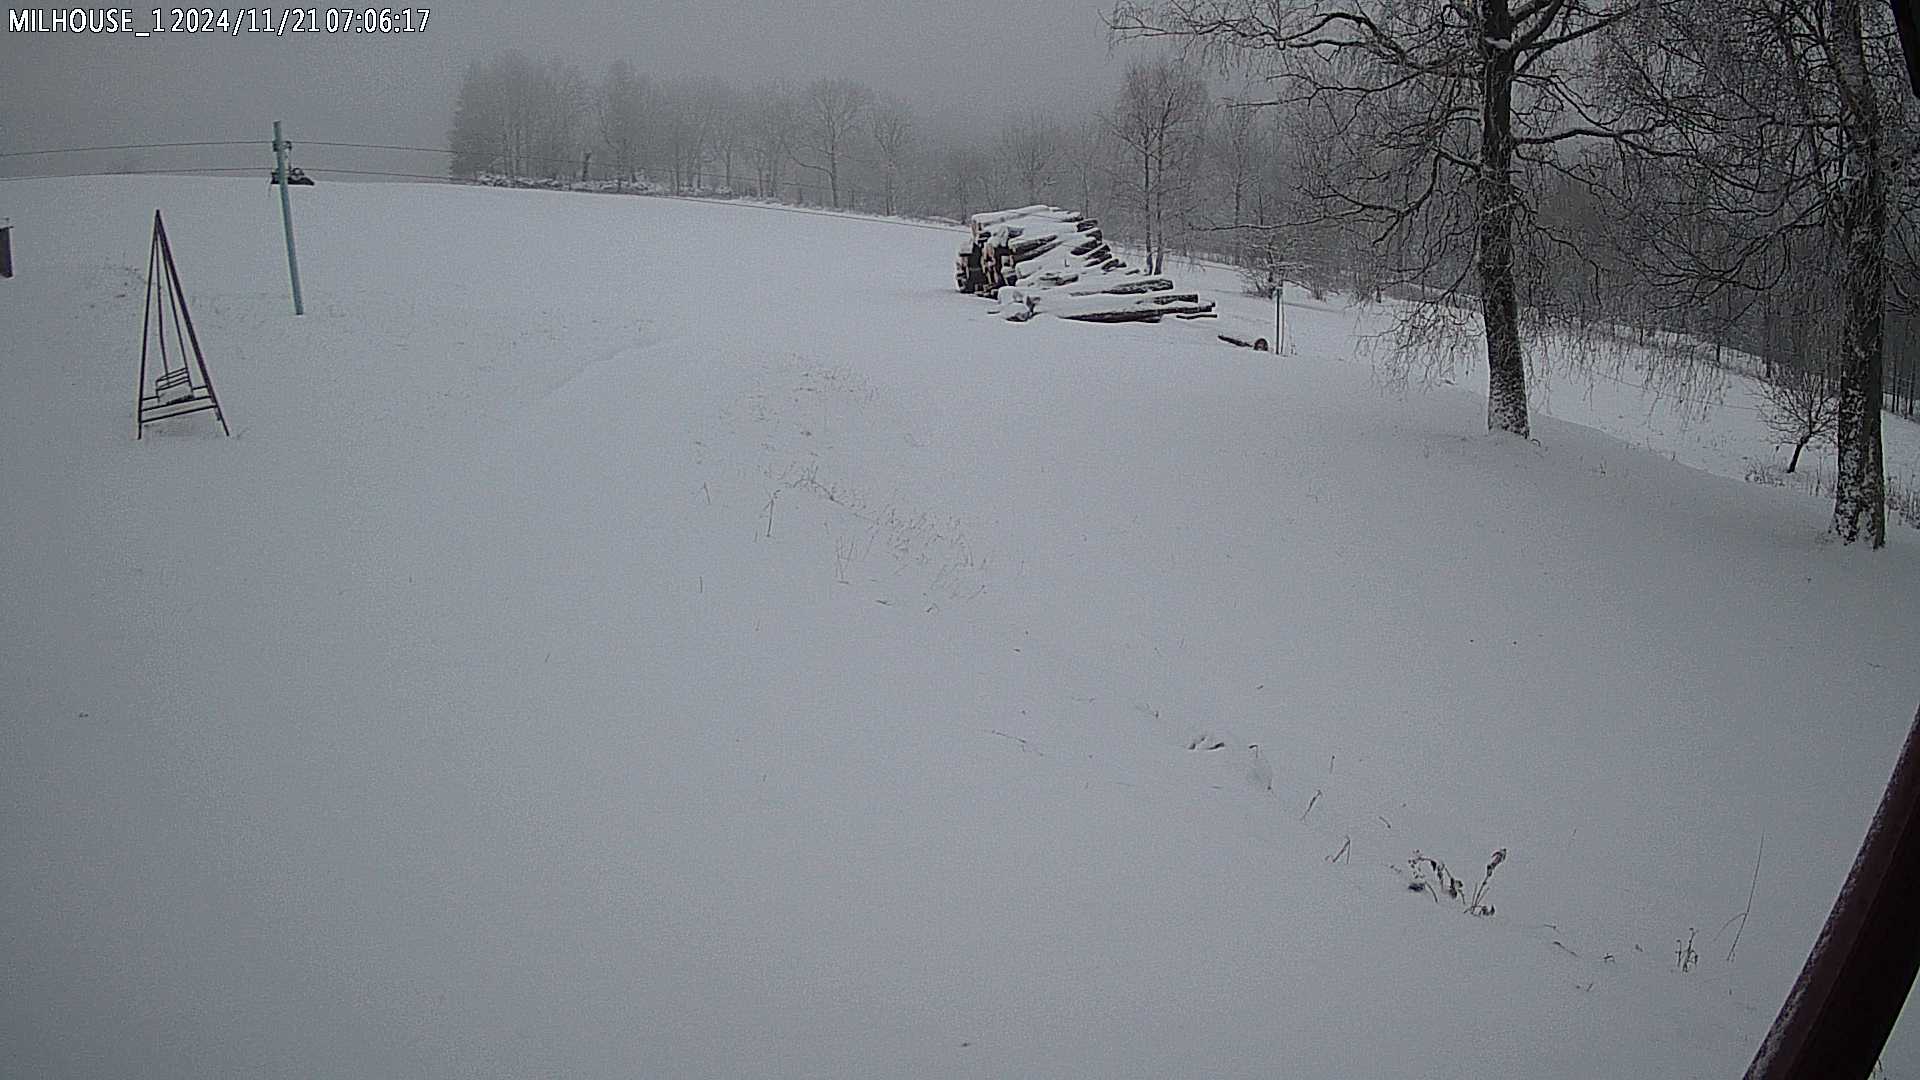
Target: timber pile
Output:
[{"x": 1044, "y": 259}]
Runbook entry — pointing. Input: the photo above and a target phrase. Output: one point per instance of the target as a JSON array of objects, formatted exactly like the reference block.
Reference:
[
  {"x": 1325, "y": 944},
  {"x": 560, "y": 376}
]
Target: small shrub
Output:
[
  {"x": 1431, "y": 876},
  {"x": 1903, "y": 499},
  {"x": 1903, "y": 493}
]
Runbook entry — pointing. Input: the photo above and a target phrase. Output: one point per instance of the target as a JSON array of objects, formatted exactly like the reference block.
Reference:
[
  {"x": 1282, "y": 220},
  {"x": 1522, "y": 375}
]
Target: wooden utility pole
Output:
[{"x": 280, "y": 148}]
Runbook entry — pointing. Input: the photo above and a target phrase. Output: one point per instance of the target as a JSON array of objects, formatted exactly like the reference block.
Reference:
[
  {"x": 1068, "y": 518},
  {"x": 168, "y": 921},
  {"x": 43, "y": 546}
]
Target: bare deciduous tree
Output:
[
  {"x": 727, "y": 129},
  {"x": 1089, "y": 150},
  {"x": 1156, "y": 119},
  {"x": 1800, "y": 408},
  {"x": 892, "y": 128},
  {"x": 695, "y": 113},
  {"x": 1029, "y": 153},
  {"x": 1766, "y": 168},
  {"x": 831, "y": 111},
  {"x": 968, "y": 169},
  {"x": 1429, "y": 111},
  {"x": 772, "y": 120},
  {"x": 623, "y": 108},
  {"x": 518, "y": 117},
  {"x": 1234, "y": 151}
]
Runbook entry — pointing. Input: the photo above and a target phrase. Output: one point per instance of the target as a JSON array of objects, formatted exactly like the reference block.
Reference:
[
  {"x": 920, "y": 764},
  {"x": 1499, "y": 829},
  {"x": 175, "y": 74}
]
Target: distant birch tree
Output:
[{"x": 1156, "y": 120}]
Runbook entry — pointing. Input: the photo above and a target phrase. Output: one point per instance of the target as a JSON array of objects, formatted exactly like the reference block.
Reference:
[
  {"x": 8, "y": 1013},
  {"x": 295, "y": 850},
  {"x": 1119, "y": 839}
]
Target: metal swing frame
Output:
[{"x": 153, "y": 407}]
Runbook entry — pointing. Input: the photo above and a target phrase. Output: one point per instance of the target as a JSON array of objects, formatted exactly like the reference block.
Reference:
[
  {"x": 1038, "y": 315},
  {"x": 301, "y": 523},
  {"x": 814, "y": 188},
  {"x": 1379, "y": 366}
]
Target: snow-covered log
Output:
[
  {"x": 1019, "y": 305},
  {"x": 1042, "y": 259}
]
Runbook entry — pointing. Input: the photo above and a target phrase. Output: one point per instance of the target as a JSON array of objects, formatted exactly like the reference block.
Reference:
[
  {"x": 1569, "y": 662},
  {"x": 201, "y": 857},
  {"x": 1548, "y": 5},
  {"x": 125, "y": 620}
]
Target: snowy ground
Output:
[
  {"x": 1716, "y": 423},
  {"x": 642, "y": 637}
]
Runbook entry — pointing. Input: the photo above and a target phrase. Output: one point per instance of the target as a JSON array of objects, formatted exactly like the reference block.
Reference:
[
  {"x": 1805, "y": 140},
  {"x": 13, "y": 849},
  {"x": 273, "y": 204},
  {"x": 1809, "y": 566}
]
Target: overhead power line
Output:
[
  {"x": 440, "y": 178},
  {"x": 181, "y": 171},
  {"x": 129, "y": 146},
  {"x": 391, "y": 146}
]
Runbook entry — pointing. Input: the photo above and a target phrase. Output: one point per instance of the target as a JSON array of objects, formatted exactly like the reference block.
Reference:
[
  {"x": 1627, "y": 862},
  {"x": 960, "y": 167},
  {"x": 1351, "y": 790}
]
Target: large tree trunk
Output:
[
  {"x": 1154, "y": 220},
  {"x": 1860, "y": 208},
  {"x": 1500, "y": 311},
  {"x": 833, "y": 171}
]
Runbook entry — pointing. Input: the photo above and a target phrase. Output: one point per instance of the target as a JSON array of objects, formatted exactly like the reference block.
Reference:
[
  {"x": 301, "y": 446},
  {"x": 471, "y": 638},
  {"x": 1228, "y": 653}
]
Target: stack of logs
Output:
[{"x": 1044, "y": 259}]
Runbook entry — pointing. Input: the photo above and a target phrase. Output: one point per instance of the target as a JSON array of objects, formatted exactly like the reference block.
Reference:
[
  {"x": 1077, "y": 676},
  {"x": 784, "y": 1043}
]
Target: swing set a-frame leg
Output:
[{"x": 146, "y": 323}]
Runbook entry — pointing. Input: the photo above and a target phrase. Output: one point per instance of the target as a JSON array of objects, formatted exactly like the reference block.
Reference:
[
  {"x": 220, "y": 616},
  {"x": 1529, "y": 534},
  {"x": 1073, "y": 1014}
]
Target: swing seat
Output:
[{"x": 173, "y": 387}]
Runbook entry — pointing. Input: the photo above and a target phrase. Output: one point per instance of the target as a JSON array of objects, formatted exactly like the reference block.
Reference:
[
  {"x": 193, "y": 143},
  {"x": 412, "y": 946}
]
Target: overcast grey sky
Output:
[{"x": 984, "y": 57}]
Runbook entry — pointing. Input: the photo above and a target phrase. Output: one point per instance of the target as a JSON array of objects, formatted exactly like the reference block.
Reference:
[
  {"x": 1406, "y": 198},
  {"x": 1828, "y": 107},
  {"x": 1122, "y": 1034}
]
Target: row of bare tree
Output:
[
  {"x": 1625, "y": 177},
  {"x": 1552, "y": 171},
  {"x": 1147, "y": 162}
]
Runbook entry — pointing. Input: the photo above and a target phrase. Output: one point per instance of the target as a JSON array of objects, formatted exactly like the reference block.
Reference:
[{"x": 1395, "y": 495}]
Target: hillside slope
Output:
[{"x": 612, "y": 646}]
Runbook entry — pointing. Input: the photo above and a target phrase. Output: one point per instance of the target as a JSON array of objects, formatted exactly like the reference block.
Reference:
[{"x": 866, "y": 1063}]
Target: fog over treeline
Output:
[
  {"x": 1174, "y": 154},
  {"x": 1163, "y": 140},
  {"x": 1623, "y": 182},
  {"x": 87, "y": 90},
  {"x": 1640, "y": 170}
]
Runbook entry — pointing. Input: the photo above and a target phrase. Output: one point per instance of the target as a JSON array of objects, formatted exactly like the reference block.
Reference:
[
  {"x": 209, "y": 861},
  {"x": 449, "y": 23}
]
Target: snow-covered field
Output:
[{"x": 634, "y": 637}]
